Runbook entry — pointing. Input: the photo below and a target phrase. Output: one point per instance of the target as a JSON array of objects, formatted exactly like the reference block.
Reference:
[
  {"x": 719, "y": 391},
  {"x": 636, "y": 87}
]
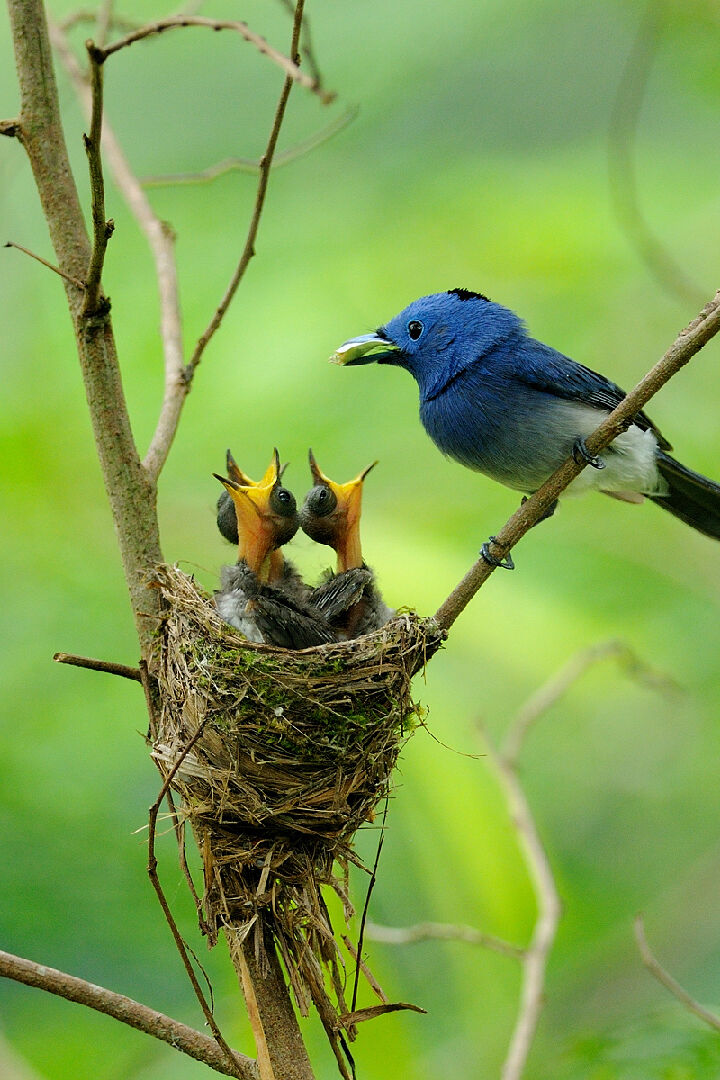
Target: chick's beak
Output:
[
  {"x": 366, "y": 349},
  {"x": 346, "y": 516}
]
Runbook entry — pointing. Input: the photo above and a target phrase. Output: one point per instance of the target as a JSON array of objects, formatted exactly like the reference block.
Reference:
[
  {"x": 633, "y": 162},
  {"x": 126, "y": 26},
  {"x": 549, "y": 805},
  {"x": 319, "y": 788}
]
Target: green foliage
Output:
[{"x": 478, "y": 159}]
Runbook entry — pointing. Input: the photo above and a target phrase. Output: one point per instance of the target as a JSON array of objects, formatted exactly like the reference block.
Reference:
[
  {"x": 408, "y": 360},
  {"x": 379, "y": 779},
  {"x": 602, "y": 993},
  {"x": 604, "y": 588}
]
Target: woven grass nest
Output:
[{"x": 296, "y": 750}]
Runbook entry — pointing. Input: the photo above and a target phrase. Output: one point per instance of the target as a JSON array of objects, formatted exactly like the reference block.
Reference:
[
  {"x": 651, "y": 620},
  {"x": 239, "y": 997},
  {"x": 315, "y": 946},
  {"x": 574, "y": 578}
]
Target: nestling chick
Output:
[
  {"x": 350, "y": 599},
  {"x": 262, "y": 595}
]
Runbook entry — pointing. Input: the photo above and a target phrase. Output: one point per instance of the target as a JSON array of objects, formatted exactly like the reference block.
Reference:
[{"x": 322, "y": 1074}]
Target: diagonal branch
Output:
[
  {"x": 133, "y": 1013},
  {"x": 665, "y": 978},
  {"x": 688, "y": 342},
  {"x": 175, "y": 22}
]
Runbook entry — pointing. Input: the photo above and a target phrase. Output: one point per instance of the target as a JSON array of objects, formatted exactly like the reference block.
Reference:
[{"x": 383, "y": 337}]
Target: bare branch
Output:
[
  {"x": 435, "y": 931},
  {"x": 161, "y": 240},
  {"x": 664, "y": 977},
  {"x": 558, "y": 685},
  {"x": 11, "y": 128},
  {"x": 55, "y": 269},
  {"x": 291, "y": 69},
  {"x": 102, "y": 229},
  {"x": 178, "y": 1035},
  {"x": 534, "y": 958},
  {"x": 249, "y": 249},
  {"x": 621, "y": 165},
  {"x": 688, "y": 342},
  {"x": 248, "y": 165},
  {"x": 122, "y": 670}
]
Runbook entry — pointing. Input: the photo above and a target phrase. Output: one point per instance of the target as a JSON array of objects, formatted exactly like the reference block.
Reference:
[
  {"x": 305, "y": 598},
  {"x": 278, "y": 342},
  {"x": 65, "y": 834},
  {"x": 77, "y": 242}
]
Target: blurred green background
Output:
[{"x": 479, "y": 158}]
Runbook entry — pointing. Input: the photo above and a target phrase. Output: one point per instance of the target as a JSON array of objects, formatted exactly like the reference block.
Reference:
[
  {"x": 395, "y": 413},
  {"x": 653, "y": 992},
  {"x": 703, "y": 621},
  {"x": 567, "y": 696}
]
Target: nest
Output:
[{"x": 289, "y": 754}]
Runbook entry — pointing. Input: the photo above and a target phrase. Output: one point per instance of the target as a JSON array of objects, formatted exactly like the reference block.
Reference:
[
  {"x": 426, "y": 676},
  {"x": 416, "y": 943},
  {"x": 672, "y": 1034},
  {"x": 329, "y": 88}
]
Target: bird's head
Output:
[
  {"x": 330, "y": 514},
  {"x": 435, "y": 337},
  {"x": 266, "y": 515}
]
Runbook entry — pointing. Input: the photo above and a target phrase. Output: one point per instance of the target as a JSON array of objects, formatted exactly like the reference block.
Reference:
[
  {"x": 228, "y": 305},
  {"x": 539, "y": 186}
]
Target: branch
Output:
[
  {"x": 664, "y": 977},
  {"x": 558, "y": 685},
  {"x": 11, "y": 128},
  {"x": 435, "y": 931},
  {"x": 534, "y": 958},
  {"x": 55, "y": 269},
  {"x": 175, "y": 22},
  {"x": 161, "y": 241},
  {"x": 178, "y": 1035},
  {"x": 249, "y": 249},
  {"x": 102, "y": 229},
  {"x": 122, "y": 670},
  {"x": 688, "y": 342},
  {"x": 621, "y": 166}
]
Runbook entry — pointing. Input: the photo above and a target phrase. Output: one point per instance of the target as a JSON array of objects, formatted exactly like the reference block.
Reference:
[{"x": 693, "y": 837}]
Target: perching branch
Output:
[
  {"x": 658, "y": 971},
  {"x": 178, "y": 1035},
  {"x": 688, "y": 342},
  {"x": 288, "y": 65}
]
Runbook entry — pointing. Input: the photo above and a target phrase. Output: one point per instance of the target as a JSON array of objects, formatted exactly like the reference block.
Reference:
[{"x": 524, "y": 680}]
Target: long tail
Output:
[{"x": 692, "y": 497}]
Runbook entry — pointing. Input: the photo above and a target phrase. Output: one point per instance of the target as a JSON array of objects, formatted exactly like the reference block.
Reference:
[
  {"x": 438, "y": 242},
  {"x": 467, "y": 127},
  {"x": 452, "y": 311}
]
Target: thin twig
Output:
[
  {"x": 11, "y": 128},
  {"x": 123, "y": 670},
  {"x": 435, "y": 931},
  {"x": 102, "y": 229},
  {"x": 658, "y": 971},
  {"x": 176, "y": 22},
  {"x": 249, "y": 249},
  {"x": 153, "y": 874},
  {"x": 161, "y": 240},
  {"x": 366, "y": 905},
  {"x": 306, "y": 46},
  {"x": 621, "y": 166},
  {"x": 250, "y": 165},
  {"x": 38, "y": 258},
  {"x": 558, "y": 685},
  {"x": 688, "y": 342},
  {"x": 178, "y": 1035}
]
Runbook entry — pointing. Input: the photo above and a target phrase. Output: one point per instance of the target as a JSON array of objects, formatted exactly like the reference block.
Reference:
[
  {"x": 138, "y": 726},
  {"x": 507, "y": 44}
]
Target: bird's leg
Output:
[
  {"x": 548, "y": 513},
  {"x": 582, "y": 456},
  {"x": 485, "y": 553}
]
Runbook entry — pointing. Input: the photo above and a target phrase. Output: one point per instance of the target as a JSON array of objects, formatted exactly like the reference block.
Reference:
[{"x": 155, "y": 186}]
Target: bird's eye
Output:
[
  {"x": 283, "y": 495},
  {"x": 415, "y": 329}
]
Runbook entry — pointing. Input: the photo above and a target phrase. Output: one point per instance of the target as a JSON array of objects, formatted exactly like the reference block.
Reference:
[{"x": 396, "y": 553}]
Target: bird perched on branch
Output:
[
  {"x": 330, "y": 514},
  {"x": 506, "y": 405},
  {"x": 262, "y": 595}
]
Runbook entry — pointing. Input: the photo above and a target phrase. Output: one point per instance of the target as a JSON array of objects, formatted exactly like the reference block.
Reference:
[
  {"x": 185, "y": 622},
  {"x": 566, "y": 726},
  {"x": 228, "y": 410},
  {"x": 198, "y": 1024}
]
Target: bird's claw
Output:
[
  {"x": 582, "y": 456},
  {"x": 485, "y": 553}
]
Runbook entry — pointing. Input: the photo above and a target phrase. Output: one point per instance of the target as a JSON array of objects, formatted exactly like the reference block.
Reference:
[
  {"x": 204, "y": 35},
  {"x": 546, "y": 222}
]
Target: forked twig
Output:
[
  {"x": 249, "y": 248},
  {"x": 665, "y": 978},
  {"x": 176, "y": 22}
]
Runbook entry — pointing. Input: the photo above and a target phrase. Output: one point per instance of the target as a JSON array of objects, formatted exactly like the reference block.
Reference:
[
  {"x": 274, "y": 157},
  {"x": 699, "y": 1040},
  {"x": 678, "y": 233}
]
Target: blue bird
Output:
[{"x": 504, "y": 404}]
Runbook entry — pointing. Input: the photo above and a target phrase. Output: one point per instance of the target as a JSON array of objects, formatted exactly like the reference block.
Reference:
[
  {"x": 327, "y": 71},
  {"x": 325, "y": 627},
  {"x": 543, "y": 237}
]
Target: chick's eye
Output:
[
  {"x": 415, "y": 329},
  {"x": 283, "y": 495}
]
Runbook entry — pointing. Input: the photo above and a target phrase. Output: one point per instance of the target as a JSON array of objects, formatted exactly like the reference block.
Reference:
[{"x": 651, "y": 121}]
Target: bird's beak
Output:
[
  {"x": 347, "y": 513},
  {"x": 366, "y": 349},
  {"x": 255, "y": 523}
]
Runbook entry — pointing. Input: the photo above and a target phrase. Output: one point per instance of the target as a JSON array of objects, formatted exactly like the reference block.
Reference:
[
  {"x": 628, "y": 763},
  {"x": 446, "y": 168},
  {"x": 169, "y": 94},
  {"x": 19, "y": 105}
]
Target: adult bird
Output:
[
  {"x": 330, "y": 514},
  {"x": 504, "y": 404},
  {"x": 262, "y": 595}
]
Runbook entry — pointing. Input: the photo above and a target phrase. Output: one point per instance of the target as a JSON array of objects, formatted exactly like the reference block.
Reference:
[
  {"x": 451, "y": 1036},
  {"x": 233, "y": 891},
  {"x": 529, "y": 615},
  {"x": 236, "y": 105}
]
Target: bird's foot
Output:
[
  {"x": 485, "y": 553},
  {"x": 582, "y": 456}
]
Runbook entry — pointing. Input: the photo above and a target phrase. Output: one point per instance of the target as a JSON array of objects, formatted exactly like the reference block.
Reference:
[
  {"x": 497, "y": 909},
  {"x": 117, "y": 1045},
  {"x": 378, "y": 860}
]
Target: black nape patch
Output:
[{"x": 466, "y": 294}]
